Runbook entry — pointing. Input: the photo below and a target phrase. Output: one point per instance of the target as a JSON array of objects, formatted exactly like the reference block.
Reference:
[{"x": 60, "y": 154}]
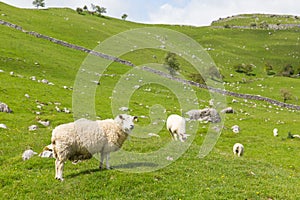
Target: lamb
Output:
[
  {"x": 176, "y": 127},
  {"x": 83, "y": 138},
  {"x": 238, "y": 149}
]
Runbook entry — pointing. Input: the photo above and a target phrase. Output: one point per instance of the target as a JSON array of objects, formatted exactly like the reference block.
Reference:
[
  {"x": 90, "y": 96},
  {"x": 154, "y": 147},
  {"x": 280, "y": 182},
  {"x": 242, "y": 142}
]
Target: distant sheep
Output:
[
  {"x": 83, "y": 138},
  {"x": 238, "y": 149},
  {"x": 176, "y": 127}
]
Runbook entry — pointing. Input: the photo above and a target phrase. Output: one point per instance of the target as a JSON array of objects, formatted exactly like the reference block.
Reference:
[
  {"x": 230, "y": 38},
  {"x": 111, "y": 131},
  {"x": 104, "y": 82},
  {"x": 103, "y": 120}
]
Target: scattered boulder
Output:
[
  {"x": 44, "y": 123},
  {"x": 3, "y": 126},
  {"x": 47, "y": 152},
  {"x": 124, "y": 109},
  {"x": 28, "y": 154},
  {"x": 5, "y": 108},
  {"x": 227, "y": 110},
  {"x": 206, "y": 114},
  {"x": 33, "y": 128},
  {"x": 235, "y": 129}
]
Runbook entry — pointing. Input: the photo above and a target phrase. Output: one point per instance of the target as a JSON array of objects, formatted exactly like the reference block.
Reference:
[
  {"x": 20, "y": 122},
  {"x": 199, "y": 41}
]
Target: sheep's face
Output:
[{"x": 126, "y": 122}]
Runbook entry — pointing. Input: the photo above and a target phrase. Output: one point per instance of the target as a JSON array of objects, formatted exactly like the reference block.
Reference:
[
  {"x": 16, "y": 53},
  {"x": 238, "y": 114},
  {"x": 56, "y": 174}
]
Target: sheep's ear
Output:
[{"x": 135, "y": 118}]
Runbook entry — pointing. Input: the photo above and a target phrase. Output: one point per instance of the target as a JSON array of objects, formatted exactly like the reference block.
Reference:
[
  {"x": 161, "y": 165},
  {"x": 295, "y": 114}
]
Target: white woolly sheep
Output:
[
  {"x": 83, "y": 138},
  {"x": 238, "y": 149},
  {"x": 176, "y": 127}
]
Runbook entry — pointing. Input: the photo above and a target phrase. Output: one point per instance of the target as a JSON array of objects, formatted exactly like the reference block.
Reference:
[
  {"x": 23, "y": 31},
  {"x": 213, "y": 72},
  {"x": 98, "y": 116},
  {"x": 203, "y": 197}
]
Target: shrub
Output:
[
  {"x": 246, "y": 69},
  {"x": 269, "y": 69},
  {"x": 253, "y": 25},
  {"x": 286, "y": 94},
  {"x": 288, "y": 70},
  {"x": 172, "y": 63},
  {"x": 197, "y": 78},
  {"x": 227, "y": 26},
  {"x": 79, "y": 10}
]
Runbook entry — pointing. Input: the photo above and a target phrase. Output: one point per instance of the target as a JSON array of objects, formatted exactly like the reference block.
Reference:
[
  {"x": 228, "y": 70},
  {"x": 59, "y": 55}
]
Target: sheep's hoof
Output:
[{"x": 60, "y": 179}]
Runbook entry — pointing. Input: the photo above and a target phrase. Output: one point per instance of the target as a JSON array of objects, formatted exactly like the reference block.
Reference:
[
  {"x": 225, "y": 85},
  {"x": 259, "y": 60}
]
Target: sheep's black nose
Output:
[{"x": 131, "y": 126}]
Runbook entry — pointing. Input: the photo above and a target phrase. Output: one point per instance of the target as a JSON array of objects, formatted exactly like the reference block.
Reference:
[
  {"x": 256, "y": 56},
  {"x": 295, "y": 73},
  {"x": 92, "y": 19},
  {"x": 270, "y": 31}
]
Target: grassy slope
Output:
[{"x": 274, "y": 161}]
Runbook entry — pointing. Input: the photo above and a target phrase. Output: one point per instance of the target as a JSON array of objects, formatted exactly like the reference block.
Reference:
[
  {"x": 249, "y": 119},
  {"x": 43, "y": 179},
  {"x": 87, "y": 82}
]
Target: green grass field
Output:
[{"x": 269, "y": 168}]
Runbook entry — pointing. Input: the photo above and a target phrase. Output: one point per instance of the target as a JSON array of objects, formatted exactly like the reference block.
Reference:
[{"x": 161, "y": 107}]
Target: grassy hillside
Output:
[{"x": 268, "y": 170}]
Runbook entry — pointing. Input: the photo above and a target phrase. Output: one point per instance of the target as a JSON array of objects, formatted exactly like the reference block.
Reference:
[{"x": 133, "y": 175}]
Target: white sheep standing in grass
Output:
[
  {"x": 83, "y": 138},
  {"x": 176, "y": 127},
  {"x": 238, "y": 149}
]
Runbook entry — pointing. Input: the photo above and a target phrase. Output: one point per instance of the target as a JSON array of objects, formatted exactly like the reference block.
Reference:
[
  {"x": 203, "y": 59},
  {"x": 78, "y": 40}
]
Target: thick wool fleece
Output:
[{"x": 81, "y": 139}]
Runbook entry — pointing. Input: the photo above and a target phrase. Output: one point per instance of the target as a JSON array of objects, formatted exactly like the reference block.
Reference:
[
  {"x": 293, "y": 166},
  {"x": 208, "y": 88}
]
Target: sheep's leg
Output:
[
  {"x": 59, "y": 167},
  {"x": 175, "y": 136},
  {"x": 172, "y": 134},
  {"x": 101, "y": 160},
  {"x": 107, "y": 161}
]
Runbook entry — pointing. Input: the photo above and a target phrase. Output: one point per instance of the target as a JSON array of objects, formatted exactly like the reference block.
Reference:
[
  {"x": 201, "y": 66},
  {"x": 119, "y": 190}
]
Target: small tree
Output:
[
  {"x": 246, "y": 69},
  {"x": 79, "y": 10},
  {"x": 286, "y": 94},
  {"x": 100, "y": 10},
  {"x": 172, "y": 63},
  {"x": 214, "y": 73},
  {"x": 38, "y": 3},
  {"x": 124, "y": 16},
  {"x": 85, "y": 8},
  {"x": 269, "y": 69}
]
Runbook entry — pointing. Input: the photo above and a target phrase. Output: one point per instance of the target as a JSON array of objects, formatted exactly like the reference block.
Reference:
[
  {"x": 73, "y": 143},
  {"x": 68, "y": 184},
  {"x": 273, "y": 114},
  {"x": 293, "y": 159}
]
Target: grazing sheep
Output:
[
  {"x": 275, "y": 132},
  {"x": 83, "y": 138},
  {"x": 28, "y": 154},
  {"x": 176, "y": 127},
  {"x": 238, "y": 149}
]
